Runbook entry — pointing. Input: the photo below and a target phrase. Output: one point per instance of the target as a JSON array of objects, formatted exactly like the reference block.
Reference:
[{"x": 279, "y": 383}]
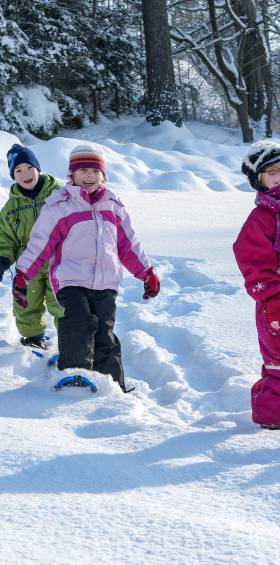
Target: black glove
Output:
[{"x": 4, "y": 265}]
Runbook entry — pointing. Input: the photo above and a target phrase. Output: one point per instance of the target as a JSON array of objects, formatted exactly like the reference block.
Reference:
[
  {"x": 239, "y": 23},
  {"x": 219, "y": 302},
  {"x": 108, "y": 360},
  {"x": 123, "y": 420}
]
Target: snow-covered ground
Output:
[{"x": 174, "y": 472}]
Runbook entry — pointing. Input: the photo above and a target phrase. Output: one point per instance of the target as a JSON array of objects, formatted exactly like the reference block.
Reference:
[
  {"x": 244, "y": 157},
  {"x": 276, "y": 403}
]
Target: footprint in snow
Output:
[
  {"x": 158, "y": 344},
  {"x": 106, "y": 429}
]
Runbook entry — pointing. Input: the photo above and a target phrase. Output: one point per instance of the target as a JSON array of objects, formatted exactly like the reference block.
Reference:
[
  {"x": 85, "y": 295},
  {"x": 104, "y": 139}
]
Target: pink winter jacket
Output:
[
  {"x": 258, "y": 245},
  {"x": 85, "y": 243}
]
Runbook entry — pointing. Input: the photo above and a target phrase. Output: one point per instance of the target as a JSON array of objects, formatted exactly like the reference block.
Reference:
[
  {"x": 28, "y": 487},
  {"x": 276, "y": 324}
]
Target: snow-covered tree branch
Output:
[{"x": 239, "y": 59}]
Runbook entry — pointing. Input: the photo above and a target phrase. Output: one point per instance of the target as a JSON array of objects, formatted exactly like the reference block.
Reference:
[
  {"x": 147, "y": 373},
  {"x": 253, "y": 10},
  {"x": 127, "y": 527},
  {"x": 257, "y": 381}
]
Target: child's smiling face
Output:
[
  {"x": 26, "y": 175},
  {"x": 90, "y": 179},
  {"x": 270, "y": 177}
]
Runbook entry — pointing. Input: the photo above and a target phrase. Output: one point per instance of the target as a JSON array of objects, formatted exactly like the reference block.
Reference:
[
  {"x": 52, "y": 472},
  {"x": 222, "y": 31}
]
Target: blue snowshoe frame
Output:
[
  {"x": 72, "y": 380},
  {"x": 76, "y": 380},
  {"x": 38, "y": 353},
  {"x": 53, "y": 359}
]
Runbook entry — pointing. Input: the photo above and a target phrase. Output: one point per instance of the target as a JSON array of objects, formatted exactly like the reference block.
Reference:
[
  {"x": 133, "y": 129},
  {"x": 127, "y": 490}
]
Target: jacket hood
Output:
[{"x": 79, "y": 194}]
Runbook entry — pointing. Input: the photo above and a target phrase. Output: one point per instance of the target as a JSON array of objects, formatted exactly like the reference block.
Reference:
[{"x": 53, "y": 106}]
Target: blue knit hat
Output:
[{"x": 19, "y": 154}]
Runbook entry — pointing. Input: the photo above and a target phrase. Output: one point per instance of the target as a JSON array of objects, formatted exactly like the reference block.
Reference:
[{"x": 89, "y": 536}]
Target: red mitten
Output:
[
  {"x": 272, "y": 314},
  {"x": 151, "y": 284},
  {"x": 20, "y": 289}
]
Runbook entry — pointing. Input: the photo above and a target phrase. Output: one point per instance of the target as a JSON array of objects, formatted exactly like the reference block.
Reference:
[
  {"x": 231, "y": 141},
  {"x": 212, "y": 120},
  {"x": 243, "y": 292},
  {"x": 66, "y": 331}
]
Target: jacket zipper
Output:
[
  {"x": 34, "y": 208},
  {"x": 95, "y": 219}
]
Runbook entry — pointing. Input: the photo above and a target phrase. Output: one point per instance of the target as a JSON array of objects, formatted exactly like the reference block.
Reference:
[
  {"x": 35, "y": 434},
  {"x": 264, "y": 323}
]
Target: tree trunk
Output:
[
  {"x": 244, "y": 121},
  {"x": 93, "y": 7},
  {"x": 254, "y": 64},
  {"x": 95, "y": 104},
  {"x": 161, "y": 96}
]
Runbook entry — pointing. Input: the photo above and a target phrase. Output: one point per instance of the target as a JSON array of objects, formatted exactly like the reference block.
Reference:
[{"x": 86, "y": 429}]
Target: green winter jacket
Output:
[{"x": 18, "y": 216}]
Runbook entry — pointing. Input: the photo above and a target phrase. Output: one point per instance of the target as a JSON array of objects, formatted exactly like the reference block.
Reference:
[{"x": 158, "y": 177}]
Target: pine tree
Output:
[
  {"x": 13, "y": 52},
  {"x": 80, "y": 53}
]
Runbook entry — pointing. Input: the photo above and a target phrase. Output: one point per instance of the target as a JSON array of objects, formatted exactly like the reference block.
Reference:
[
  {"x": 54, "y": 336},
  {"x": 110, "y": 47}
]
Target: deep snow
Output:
[{"x": 176, "y": 471}]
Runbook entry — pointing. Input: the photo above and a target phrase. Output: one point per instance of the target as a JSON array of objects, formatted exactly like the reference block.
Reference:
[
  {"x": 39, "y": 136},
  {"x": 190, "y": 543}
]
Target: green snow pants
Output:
[{"x": 32, "y": 321}]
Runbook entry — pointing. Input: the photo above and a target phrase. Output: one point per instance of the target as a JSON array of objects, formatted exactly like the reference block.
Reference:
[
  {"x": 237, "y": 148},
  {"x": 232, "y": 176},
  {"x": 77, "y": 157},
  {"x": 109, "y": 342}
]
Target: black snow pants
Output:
[{"x": 85, "y": 332}]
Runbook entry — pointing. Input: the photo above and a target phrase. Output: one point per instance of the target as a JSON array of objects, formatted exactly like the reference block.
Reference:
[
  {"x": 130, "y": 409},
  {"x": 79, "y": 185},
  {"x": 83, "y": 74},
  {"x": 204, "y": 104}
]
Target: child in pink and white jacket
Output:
[
  {"x": 86, "y": 234},
  {"x": 257, "y": 252}
]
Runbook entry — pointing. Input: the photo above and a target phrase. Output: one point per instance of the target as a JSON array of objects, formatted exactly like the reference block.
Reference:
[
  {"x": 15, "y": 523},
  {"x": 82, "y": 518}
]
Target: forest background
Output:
[{"x": 216, "y": 61}]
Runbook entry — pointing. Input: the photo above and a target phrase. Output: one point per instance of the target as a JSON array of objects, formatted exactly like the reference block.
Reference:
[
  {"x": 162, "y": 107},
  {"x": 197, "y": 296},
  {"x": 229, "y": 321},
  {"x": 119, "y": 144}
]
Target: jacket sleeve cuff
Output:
[
  {"x": 4, "y": 262},
  {"x": 260, "y": 292}
]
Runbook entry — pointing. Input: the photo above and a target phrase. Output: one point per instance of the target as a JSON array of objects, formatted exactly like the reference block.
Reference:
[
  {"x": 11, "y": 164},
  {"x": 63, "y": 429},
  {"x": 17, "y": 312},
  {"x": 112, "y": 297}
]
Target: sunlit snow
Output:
[{"x": 175, "y": 472}]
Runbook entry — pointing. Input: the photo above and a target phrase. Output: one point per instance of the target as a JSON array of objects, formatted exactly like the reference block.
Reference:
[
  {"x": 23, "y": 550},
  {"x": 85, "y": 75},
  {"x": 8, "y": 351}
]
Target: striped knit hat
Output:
[{"x": 87, "y": 157}]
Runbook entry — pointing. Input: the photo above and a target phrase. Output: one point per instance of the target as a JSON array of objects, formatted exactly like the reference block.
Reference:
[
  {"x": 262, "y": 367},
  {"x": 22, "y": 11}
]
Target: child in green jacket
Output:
[{"x": 17, "y": 217}]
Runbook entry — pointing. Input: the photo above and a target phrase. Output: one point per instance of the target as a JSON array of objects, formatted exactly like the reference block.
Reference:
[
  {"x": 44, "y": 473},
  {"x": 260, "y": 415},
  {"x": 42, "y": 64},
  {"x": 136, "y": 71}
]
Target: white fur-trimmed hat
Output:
[{"x": 260, "y": 155}]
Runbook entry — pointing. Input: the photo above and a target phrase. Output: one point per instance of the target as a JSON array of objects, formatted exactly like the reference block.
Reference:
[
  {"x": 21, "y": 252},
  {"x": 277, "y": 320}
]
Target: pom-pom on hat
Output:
[
  {"x": 19, "y": 154},
  {"x": 87, "y": 157},
  {"x": 260, "y": 155}
]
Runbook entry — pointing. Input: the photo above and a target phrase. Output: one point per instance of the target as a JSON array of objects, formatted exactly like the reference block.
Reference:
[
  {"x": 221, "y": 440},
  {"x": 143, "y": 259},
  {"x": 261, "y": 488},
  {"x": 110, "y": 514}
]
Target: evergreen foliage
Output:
[
  {"x": 83, "y": 52},
  {"x": 61, "y": 61}
]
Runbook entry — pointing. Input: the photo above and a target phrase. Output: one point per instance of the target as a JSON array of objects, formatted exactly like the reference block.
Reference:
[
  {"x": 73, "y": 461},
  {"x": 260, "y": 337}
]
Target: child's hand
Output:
[
  {"x": 20, "y": 289},
  {"x": 272, "y": 314},
  {"x": 151, "y": 284}
]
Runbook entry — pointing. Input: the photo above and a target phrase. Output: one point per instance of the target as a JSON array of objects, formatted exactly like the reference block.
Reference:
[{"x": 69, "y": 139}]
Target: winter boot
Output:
[
  {"x": 270, "y": 426},
  {"x": 37, "y": 341}
]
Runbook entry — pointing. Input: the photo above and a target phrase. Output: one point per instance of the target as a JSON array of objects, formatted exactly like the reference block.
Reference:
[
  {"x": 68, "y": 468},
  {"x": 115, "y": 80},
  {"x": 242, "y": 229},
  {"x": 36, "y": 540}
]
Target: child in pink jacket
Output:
[
  {"x": 86, "y": 234},
  {"x": 257, "y": 252}
]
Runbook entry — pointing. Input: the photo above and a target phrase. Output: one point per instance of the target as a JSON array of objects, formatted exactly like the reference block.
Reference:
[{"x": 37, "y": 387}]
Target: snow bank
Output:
[{"x": 142, "y": 157}]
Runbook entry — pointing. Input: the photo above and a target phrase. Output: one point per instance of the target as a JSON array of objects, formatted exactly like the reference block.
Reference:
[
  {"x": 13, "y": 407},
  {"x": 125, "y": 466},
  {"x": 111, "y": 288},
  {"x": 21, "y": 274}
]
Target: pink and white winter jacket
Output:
[
  {"x": 85, "y": 243},
  {"x": 257, "y": 248}
]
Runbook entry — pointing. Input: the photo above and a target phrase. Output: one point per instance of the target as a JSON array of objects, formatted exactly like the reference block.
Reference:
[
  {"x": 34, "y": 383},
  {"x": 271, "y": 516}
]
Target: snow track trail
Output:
[
  {"x": 182, "y": 370},
  {"x": 82, "y": 458},
  {"x": 179, "y": 379}
]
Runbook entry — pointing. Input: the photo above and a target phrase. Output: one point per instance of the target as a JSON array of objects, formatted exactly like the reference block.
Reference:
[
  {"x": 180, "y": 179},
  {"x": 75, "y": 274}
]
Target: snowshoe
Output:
[
  {"x": 37, "y": 353},
  {"x": 76, "y": 380},
  {"x": 127, "y": 390},
  {"x": 53, "y": 360}
]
